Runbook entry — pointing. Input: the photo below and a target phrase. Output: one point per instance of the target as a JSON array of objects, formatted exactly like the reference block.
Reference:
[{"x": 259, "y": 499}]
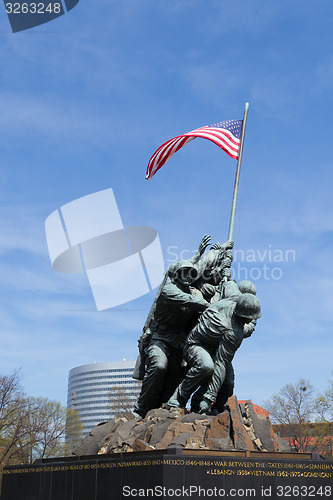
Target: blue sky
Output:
[{"x": 87, "y": 98}]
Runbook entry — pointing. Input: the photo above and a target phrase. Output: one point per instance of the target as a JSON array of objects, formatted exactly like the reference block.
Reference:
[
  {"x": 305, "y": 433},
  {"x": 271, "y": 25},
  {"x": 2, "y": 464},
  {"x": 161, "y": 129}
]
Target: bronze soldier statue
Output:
[
  {"x": 162, "y": 345},
  {"x": 211, "y": 345}
]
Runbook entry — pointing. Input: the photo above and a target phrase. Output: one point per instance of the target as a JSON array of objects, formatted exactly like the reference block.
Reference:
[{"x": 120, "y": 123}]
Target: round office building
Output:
[{"x": 89, "y": 388}]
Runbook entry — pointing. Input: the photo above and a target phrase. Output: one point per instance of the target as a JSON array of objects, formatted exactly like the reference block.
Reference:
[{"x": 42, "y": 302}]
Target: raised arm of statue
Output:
[
  {"x": 205, "y": 241},
  {"x": 228, "y": 245},
  {"x": 173, "y": 295},
  {"x": 213, "y": 259}
]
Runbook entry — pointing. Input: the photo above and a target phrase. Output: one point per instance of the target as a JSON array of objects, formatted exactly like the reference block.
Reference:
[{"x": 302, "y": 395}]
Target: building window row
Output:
[
  {"x": 109, "y": 384},
  {"x": 113, "y": 370},
  {"x": 92, "y": 422},
  {"x": 94, "y": 407},
  {"x": 90, "y": 403},
  {"x": 98, "y": 399},
  {"x": 101, "y": 393},
  {"x": 101, "y": 414},
  {"x": 83, "y": 379},
  {"x": 105, "y": 395},
  {"x": 78, "y": 402}
]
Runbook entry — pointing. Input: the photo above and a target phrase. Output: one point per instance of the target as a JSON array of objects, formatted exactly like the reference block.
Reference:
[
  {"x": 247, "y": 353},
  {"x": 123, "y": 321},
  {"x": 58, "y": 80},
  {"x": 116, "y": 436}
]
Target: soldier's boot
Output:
[{"x": 177, "y": 400}]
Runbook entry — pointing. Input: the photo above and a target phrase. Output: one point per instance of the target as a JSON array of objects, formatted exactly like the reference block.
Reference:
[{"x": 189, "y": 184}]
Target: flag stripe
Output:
[
  {"x": 218, "y": 131},
  {"x": 168, "y": 147},
  {"x": 164, "y": 153},
  {"x": 226, "y": 135},
  {"x": 219, "y": 140},
  {"x": 175, "y": 147}
]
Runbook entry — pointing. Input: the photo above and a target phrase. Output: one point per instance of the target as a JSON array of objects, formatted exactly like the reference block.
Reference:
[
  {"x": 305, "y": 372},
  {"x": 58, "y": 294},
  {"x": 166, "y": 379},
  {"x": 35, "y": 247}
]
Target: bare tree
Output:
[
  {"x": 119, "y": 400},
  {"x": 13, "y": 416},
  {"x": 325, "y": 404},
  {"x": 325, "y": 420},
  {"x": 51, "y": 430},
  {"x": 294, "y": 407},
  {"x": 33, "y": 428}
]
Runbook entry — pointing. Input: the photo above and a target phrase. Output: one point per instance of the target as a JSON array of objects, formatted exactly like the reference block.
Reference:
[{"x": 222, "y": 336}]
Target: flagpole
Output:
[{"x": 239, "y": 161}]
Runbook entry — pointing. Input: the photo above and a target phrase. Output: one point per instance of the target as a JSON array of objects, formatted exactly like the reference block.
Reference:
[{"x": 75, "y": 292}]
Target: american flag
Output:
[{"x": 225, "y": 134}]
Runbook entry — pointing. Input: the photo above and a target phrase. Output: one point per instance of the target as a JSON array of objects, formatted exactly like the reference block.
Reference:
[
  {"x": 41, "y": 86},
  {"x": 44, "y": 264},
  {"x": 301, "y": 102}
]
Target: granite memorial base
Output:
[{"x": 172, "y": 473}]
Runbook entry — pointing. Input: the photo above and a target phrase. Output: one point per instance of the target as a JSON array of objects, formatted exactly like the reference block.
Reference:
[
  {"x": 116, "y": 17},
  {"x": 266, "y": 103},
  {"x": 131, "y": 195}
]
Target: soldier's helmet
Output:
[
  {"x": 174, "y": 269},
  {"x": 247, "y": 287},
  {"x": 248, "y": 306}
]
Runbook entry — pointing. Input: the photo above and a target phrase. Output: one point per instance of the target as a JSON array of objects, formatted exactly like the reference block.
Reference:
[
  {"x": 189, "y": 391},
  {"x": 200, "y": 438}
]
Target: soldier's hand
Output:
[
  {"x": 249, "y": 329},
  {"x": 205, "y": 406},
  {"x": 208, "y": 291},
  {"x": 216, "y": 246},
  {"x": 145, "y": 338},
  {"x": 204, "y": 243},
  {"x": 228, "y": 245},
  {"x": 226, "y": 274}
]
